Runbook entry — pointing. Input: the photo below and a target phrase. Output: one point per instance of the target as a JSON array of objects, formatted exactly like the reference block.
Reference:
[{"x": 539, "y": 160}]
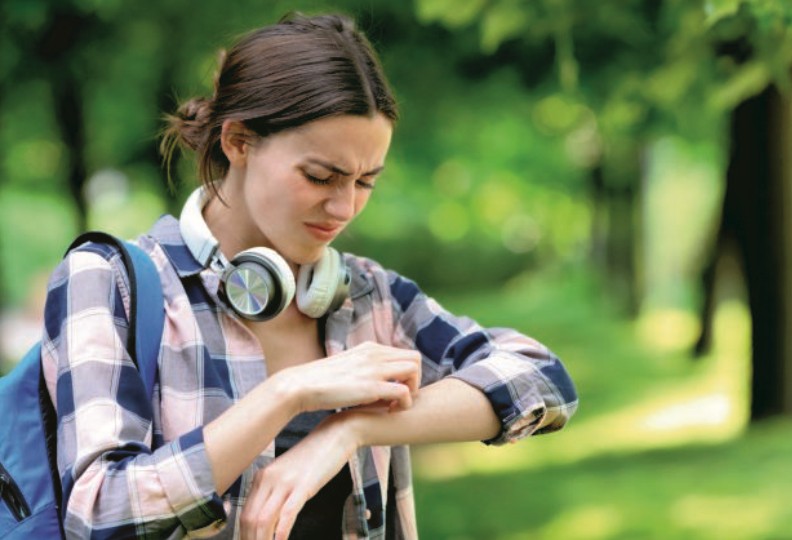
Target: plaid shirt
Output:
[{"x": 129, "y": 473}]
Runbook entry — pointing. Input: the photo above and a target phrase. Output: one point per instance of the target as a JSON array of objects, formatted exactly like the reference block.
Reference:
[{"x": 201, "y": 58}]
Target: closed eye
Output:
[{"x": 316, "y": 180}]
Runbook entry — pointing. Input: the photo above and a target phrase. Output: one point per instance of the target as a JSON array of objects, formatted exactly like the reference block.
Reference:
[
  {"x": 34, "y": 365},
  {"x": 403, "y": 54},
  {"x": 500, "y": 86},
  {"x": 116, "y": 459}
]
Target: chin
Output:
[{"x": 307, "y": 256}]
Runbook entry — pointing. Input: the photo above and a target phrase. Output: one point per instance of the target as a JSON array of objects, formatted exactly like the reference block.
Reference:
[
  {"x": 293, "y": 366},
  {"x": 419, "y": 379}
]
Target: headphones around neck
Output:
[{"x": 258, "y": 283}]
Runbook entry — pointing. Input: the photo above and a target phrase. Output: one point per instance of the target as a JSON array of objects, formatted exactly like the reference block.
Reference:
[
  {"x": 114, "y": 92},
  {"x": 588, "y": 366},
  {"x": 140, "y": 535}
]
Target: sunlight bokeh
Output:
[{"x": 709, "y": 405}]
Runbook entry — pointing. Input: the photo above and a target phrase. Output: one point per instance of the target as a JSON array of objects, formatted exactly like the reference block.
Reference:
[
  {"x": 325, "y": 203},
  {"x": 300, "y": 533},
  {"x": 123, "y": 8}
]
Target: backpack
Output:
[{"x": 30, "y": 487}]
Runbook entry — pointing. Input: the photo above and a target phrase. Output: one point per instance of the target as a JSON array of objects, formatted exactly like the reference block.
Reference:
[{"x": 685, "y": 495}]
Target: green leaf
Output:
[
  {"x": 671, "y": 82},
  {"x": 748, "y": 81},
  {"x": 452, "y": 13},
  {"x": 716, "y": 10},
  {"x": 22, "y": 14},
  {"x": 502, "y": 21}
]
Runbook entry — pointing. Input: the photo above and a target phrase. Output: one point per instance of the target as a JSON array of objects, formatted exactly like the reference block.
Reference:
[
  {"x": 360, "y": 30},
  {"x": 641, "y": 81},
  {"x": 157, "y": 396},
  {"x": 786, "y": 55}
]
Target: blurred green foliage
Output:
[
  {"x": 472, "y": 176},
  {"x": 658, "y": 450},
  {"x": 532, "y": 135},
  {"x": 507, "y": 108}
]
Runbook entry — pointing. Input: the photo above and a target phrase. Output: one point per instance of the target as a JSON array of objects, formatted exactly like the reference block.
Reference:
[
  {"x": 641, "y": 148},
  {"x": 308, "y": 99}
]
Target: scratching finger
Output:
[
  {"x": 400, "y": 395},
  {"x": 257, "y": 495},
  {"x": 270, "y": 515},
  {"x": 288, "y": 515}
]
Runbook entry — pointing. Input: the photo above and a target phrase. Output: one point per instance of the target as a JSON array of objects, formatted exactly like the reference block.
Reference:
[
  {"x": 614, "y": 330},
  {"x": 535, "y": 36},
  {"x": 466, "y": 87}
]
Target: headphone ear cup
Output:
[
  {"x": 258, "y": 284},
  {"x": 323, "y": 286}
]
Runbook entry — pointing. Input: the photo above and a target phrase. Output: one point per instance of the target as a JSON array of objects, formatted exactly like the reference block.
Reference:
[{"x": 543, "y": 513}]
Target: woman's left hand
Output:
[{"x": 280, "y": 490}]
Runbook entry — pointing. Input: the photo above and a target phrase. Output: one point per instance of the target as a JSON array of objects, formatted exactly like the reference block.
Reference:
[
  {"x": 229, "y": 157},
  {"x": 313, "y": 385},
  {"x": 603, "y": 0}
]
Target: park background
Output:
[{"x": 611, "y": 177}]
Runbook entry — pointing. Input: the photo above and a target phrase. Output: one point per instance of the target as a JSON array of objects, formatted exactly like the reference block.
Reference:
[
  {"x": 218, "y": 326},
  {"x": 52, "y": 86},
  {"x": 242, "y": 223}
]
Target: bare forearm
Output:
[
  {"x": 364, "y": 374},
  {"x": 450, "y": 410},
  {"x": 242, "y": 432},
  {"x": 447, "y": 411}
]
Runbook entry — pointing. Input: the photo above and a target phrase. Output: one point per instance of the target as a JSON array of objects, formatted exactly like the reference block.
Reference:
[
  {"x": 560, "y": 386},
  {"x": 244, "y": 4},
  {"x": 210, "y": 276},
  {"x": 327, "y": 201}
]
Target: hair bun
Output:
[
  {"x": 197, "y": 110},
  {"x": 186, "y": 128}
]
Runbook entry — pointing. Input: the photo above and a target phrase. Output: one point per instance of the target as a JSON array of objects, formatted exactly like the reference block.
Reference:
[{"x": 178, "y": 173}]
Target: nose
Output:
[{"x": 340, "y": 204}]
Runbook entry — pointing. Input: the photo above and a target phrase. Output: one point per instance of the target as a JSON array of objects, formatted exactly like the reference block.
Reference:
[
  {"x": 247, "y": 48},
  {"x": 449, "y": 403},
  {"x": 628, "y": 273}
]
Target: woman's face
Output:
[{"x": 303, "y": 186}]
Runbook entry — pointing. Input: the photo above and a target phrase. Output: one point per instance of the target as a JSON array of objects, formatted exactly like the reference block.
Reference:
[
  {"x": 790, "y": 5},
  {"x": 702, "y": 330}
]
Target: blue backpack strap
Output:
[
  {"x": 30, "y": 487},
  {"x": 147, "y": 308},
  {"x": 149, "y": 315}
]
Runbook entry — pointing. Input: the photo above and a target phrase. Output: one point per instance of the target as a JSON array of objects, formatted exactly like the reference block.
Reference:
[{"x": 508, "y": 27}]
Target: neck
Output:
[
  {"x": 222, "y": 222},
  {"x": 286, "y": 321},
  {"x": 229, "y": 222}
]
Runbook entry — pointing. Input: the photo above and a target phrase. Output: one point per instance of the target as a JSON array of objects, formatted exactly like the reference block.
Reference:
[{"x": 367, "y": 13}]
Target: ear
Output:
[{"x": 235, "y": 142}]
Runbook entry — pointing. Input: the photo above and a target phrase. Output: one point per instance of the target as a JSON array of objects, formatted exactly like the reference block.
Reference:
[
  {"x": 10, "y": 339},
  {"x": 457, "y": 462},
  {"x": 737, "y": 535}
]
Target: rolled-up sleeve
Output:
[
  {"x": 527, "y": 385},
  {"x": 114, "y": 483}
]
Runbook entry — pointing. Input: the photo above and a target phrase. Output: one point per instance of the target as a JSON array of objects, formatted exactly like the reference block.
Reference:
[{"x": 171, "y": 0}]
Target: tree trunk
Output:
[
  {"x": 166, "y": 103},
  {"x": 3, "y": 178},
  {"x": 754, "y": 218},
  {"x": 615, "y": 196},
  {"x": 621, "y": 246},
  {"x": 68, "y": 101},
  {"x": 599, "y": 224},
  {"x": 67, "y": 29}
]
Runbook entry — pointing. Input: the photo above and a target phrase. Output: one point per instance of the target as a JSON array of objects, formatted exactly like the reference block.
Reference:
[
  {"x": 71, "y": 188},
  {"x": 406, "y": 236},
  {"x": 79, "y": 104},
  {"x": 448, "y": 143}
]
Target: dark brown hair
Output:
[{"x": 279, "y": 77}]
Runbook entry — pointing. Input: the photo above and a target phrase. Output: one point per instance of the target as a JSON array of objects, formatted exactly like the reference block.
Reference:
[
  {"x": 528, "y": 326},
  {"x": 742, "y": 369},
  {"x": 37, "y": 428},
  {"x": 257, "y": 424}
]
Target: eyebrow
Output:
[{"x": 342, "y": 172}]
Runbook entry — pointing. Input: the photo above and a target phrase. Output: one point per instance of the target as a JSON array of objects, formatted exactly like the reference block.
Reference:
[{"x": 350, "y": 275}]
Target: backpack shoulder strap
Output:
[
  {"x": 147, "y": 307},
  {"x": 28, "y": 433}
]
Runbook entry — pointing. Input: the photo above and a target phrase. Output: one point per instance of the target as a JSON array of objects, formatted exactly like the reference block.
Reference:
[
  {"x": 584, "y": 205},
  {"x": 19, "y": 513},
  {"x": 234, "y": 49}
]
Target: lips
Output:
[{"x": 323, "y": 231}]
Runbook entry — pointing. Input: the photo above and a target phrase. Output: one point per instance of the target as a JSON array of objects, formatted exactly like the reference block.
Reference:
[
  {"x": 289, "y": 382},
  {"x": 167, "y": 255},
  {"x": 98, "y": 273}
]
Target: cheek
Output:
[
  {"x": 275, "y": 192},
  {"x": 302, "y": 197}
]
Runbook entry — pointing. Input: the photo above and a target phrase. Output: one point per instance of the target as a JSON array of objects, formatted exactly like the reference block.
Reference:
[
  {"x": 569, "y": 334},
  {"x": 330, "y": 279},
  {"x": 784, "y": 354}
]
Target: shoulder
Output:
[
  {"x": 100, "y": 263},
  {"x": 91, "y": 278},
  {"x": 87, "y": 260}
]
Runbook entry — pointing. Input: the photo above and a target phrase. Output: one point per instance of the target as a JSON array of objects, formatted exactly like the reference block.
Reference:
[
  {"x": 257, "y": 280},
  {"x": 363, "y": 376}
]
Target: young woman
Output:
[{"x": 283, "y": 406}]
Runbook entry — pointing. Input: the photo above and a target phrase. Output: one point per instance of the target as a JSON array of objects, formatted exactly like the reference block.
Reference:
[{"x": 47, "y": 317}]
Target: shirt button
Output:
[{"x": 368, "y": 514}]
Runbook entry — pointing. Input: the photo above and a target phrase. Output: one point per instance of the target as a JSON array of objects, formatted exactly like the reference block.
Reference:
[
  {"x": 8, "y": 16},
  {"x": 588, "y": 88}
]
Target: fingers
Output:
[
  {"x": 399, "y": 396},
  {"x": 405, "y": 372},
  {"x": 397, "y": 373},
  {"x": 263, "y": 508},
  {"x": 409, "y": 376},
  {"x": 279, "y": 492},
  {"x": 413, "y": 382},
  {"x": 393, "y": 396},
  {"x": 400, "y": 365},
  {"x": 276, "y": 516},
  {"x": 271, "y": 515},
  {"x": 288, "y": 515},
  {"x": 362, "y": 375}
]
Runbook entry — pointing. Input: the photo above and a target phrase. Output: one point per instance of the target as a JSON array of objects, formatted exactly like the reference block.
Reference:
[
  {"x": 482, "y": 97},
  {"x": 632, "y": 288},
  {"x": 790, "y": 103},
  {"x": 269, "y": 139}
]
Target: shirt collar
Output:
[{"x": 167, "y": 234}]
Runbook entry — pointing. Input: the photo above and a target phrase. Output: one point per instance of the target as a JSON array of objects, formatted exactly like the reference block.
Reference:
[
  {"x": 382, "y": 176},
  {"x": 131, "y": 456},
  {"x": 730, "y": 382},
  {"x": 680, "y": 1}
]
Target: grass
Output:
[
  {"x": 660, "y": 448},
  {"x": 733, "y": 490}
]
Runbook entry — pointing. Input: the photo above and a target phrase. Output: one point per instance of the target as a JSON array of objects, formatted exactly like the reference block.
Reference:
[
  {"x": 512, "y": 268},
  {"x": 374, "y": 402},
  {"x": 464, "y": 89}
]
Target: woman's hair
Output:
[{"x": 279, "y": 77}]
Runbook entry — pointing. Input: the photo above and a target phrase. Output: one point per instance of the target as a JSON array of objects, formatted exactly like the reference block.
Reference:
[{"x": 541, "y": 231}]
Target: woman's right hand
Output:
[{"x": 367, "y": 374}]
